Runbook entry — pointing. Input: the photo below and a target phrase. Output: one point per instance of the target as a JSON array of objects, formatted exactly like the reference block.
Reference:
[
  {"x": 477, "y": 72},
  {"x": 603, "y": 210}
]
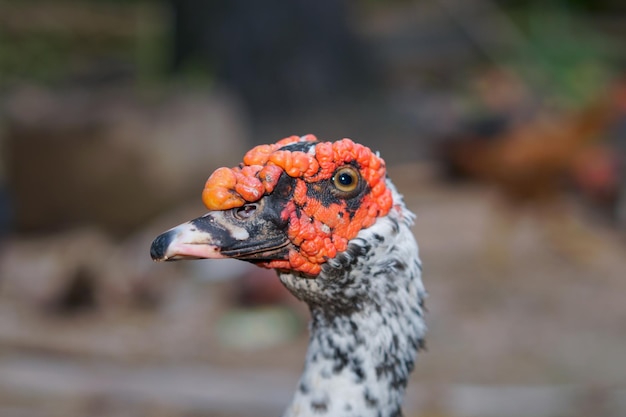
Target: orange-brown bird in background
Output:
[{"x": 528, "y": 164}]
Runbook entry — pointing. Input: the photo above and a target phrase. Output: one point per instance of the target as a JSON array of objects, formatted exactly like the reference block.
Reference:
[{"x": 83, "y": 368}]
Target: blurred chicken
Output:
[
  {"x": 598, "y": 178},
  {"x": 528, "y": 164},
  {"x": 600, "y": 174}
]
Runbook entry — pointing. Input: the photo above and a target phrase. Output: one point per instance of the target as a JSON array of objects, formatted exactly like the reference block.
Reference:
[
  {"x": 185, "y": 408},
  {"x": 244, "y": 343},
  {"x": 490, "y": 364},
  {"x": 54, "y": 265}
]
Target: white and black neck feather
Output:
[{"x": 367, "y": 323}]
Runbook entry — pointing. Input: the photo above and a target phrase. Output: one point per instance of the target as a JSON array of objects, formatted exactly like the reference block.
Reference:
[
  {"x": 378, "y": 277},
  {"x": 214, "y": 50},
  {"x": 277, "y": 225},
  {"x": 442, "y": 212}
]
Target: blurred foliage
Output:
[
  {"x": 581, "y": 5},
  {"x": 563, "y": 56},
  {"x": 51, "y": 41}
]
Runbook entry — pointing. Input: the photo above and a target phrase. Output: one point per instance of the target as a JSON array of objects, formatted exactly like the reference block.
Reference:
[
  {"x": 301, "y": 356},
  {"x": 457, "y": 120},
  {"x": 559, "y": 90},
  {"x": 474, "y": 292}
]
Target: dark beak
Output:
[{"x": 253, "y": 232}]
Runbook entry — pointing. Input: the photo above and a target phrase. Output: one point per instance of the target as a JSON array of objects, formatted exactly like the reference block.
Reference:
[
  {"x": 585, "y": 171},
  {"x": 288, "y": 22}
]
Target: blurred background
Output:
[{"x": 502, "y": 122}]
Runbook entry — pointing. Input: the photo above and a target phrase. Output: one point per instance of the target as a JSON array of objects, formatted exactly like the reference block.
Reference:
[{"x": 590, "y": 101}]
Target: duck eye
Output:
[{"x": 346, "y": 179}]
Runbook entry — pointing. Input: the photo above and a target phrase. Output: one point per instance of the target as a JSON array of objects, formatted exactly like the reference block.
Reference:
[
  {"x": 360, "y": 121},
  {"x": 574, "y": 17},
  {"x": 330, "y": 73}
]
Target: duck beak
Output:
[{"x": 245, "y": 233}]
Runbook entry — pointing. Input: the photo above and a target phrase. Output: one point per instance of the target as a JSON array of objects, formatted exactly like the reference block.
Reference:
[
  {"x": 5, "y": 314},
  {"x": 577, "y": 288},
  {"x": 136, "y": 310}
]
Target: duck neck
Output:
[
  {"x": 366, "y": 328},
  {"x": 355, "y": 366}
]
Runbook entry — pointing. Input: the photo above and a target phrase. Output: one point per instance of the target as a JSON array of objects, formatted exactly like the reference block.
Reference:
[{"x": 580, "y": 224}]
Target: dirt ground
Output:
[{"x": 520, "y": 325}]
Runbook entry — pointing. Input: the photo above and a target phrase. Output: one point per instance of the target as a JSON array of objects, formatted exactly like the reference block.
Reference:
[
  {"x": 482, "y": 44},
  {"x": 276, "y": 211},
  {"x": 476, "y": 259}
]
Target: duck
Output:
[{"x": 326, "y": 217}]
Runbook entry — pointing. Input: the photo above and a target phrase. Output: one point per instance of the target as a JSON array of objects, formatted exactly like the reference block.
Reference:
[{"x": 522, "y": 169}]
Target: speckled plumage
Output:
[
  {"x": 367, "y": 323},
  {"x": 337, "y": 231}
]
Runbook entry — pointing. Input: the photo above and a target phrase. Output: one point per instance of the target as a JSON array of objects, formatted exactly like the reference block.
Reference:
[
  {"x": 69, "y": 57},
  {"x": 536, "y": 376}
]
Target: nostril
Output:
[{"x": 245, "y": 212}]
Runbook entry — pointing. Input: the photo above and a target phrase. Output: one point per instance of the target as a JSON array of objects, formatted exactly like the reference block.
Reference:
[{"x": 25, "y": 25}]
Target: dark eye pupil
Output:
[{"x": 345, "y": 179}]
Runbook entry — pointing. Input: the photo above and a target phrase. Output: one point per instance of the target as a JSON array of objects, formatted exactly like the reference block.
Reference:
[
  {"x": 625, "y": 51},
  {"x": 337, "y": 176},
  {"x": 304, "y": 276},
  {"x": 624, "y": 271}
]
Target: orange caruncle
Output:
[
  {"x": 219, "y": 193},
  {"x": 317, "y": 229},
  {"x": 299, "y": 193}
]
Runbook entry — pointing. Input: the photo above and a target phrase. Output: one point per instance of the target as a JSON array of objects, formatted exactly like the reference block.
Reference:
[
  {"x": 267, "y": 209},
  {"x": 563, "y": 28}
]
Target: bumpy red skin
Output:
[{"x": 320, "y": 232}]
